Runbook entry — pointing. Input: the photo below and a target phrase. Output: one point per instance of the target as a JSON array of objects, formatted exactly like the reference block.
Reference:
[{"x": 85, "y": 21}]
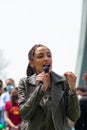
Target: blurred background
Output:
[{"x": 60, "y": 25}]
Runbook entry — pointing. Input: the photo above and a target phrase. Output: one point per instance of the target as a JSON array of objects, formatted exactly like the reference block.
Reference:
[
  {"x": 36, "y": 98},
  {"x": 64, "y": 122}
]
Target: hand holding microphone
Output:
[{"x": 42, "y": 79}]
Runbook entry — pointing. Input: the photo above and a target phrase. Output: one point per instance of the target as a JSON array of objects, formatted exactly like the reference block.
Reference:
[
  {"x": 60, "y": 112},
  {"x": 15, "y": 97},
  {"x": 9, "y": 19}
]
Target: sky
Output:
[{"x": 54, "y": 23}]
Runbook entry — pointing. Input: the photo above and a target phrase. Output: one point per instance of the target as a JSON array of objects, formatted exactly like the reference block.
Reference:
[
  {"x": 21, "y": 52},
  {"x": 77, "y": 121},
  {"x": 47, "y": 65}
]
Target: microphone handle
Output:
[{"x": 40, "y": 84}]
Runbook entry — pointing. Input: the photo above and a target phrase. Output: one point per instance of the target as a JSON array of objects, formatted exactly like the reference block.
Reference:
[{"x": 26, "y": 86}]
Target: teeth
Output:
[{"x": 46, "y": 65}]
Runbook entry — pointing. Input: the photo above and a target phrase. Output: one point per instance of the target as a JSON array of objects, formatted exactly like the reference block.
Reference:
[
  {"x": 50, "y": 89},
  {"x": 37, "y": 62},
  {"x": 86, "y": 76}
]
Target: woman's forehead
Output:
[
  {"x": 41, "y": 49},
  {"x": 14, "y": 90}
]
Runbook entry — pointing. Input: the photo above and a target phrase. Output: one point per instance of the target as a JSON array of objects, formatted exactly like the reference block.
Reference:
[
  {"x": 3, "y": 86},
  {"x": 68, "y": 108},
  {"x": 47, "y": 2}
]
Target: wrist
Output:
[{"x": 72, "y": 92}]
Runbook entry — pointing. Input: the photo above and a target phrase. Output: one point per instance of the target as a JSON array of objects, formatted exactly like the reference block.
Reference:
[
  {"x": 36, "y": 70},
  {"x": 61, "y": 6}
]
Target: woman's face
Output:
[
  {"x": 14, "y": 94},
  {"x": 42, "y": 57}
]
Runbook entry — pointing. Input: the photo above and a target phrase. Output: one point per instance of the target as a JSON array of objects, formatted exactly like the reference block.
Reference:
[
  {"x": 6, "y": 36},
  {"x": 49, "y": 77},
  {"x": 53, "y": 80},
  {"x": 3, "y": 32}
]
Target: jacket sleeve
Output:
[
  {"x": 72, "y": 107},
  {"x": 28, "y": 103}
]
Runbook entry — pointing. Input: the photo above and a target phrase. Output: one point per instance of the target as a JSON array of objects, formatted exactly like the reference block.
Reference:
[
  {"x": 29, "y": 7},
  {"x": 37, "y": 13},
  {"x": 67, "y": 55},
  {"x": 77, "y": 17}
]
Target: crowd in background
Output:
[{"x": 9, "y": 113}]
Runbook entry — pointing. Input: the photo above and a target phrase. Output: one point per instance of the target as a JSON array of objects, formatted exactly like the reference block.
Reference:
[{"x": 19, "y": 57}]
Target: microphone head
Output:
[{"x": 46, "y": 68}]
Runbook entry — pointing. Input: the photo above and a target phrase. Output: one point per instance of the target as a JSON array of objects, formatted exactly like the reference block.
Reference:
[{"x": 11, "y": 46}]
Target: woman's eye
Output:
[
  {"x": 40, "y": 56},
  {"x": 49, "y": 55}
]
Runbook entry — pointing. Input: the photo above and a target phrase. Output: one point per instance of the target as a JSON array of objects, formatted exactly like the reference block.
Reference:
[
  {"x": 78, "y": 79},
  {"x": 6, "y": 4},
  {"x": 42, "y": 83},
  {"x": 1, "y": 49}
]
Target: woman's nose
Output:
[{"x": 46, "y": 57}]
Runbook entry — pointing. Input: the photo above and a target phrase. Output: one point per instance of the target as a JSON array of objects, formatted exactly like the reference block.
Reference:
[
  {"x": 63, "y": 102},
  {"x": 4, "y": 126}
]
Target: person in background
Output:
[
  {"x": 5, "y": 96},
  {"x": 81, "y": 122},
  {"x": 10, "y": 81},
  {"x": 84, "y": 77},
  {"x": 46, "y": 100},
  {"x": 9, "y": 84},
  {"x": 2, "y": 122},
  {"x": 1, "y": 87},
  {"x": 11, "y": 112},
  {"x": 4, "y": 89},
  {"x": 80, "y": 92}
]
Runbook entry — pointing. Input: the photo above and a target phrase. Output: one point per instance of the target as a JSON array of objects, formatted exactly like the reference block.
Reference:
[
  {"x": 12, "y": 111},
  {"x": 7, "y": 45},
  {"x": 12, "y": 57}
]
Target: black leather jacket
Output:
[{"x": 64, "y": 105}]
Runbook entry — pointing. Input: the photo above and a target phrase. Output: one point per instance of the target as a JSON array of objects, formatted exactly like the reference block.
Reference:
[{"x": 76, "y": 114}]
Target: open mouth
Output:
[
  {"x": 46, "y": 65},
  {"x": 46, "y": 68}
]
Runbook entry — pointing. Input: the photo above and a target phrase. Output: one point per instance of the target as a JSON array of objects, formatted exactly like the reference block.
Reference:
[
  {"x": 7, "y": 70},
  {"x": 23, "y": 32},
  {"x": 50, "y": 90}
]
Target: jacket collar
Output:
[
  {"x": 57, "y": 78},
  {"x": 32, "y": 79}
]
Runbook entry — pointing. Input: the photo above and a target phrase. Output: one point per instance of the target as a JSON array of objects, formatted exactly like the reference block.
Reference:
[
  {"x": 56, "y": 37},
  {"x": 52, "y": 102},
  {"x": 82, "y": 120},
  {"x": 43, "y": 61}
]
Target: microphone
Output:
[{"x": 45, "y": 70}]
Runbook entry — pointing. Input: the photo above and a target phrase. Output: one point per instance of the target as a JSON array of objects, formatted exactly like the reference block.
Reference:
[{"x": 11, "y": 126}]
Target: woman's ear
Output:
[{"x": 31, "y": 64}]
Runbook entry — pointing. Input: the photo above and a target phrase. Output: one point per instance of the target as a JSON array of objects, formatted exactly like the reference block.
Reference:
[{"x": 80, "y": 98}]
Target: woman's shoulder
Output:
[
  {"x": 22, "y": 80},
  {"x": 28, "y": 79}
]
